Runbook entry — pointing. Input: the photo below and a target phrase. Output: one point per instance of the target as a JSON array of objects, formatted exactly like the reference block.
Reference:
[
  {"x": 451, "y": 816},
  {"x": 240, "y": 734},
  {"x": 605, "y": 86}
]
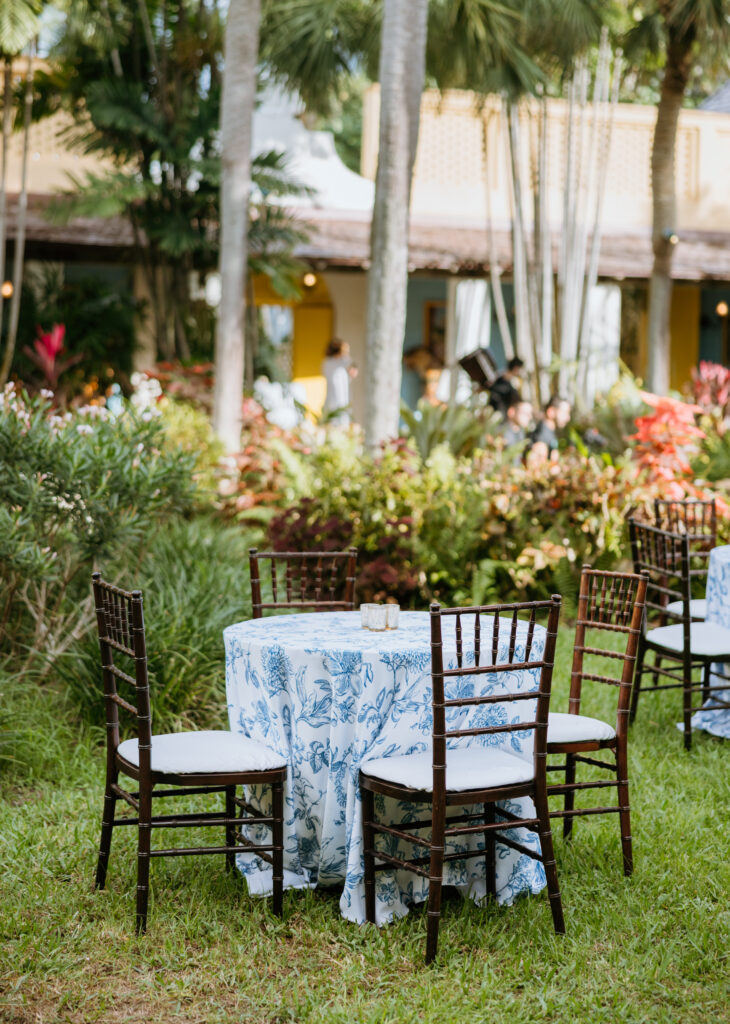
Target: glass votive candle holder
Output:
[
  {"x": 392, "y": 611},
  {"x": 377, "y": 617},
  {"x": 365, "y": 615}
]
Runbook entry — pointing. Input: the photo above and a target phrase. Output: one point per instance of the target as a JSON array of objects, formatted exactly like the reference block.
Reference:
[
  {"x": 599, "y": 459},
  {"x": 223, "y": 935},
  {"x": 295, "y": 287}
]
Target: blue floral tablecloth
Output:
[
  {"x": 327, "y": 695},
  {"x": 717, "y": 722}
]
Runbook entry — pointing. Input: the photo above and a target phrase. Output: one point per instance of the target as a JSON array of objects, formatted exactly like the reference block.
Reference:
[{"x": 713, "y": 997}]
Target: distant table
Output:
[
  {"x": 326, "y": 694},
  {"x": 717, "y": 722}
]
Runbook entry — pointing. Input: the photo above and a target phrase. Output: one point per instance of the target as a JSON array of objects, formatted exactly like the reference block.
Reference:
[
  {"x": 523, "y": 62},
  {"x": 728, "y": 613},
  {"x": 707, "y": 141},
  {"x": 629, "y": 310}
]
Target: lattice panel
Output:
[{"x": 450, "y": 149}]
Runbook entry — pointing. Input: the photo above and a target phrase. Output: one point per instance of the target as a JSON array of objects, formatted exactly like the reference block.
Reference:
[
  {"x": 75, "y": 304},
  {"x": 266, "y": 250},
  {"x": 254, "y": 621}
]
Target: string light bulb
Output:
[{"x": 6, "y": 289}]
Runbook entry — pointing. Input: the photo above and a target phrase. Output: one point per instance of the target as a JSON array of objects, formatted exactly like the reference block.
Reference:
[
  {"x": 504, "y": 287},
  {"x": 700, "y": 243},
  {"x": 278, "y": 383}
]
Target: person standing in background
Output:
[{"x": 338, "y": 370}]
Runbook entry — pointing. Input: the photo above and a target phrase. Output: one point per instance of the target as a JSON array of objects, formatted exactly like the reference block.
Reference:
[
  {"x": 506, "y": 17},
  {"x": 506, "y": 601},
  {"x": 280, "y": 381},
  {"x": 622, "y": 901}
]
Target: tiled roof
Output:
[
  {"x": 450, "y": 248},
  {"x": 93, "y": 232},
  {"x": 342, "y": 239}
]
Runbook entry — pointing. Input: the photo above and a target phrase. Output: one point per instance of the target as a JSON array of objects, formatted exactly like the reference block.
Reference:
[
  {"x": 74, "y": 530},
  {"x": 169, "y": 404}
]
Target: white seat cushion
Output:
[
  {"x": 697, "y": 608},
  {"x": 185, "y": 753},
  {"x": 466, "y": 768},
  {"x": 706, "y": 638},
  {"x": 577, "y": 728}
]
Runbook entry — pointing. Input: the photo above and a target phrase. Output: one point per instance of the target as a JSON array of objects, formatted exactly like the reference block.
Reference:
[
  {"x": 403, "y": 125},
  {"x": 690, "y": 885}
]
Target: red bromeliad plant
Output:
[{"x": 45, "y": 352}]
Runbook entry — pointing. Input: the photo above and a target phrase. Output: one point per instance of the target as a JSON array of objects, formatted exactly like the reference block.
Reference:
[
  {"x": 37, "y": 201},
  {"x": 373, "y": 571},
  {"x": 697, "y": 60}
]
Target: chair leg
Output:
[
  {"x": 658, "y": 661},
  {"x": 144, "y": 837},
  {"x": 706, "y": 675},
  {"x": 435, "y": 880},
  {"x": 569, "y": 795},
  {"x": 548, "y": 860},
  {"x": 687, "y": 703},
  {"x": 636, "y": 688},
  {"x": 277, "y": 857},
  {"x": 107, "y": 827},
  {"x": 230, "y": 829},
  {"x": 490, "y": 852},
  {"x": 622, "y": 778},
  {"x": 368, "y": 843}
]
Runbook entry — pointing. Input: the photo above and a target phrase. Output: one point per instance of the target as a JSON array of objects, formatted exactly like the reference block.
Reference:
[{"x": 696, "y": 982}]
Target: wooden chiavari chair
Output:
[
  {"x": 697, "y": 519},
  {"x": 689, "y": 647},
  {"x": 323, "y": 581},
  {"x": 448, "y": 776},
  {"x": 184, "y": 763},
  {"x": 610, "y": 603}
]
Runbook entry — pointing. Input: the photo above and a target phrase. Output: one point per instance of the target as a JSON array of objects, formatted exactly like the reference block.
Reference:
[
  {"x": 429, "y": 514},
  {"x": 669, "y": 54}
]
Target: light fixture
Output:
[
  {"x": 670, "y": 236},
  {"x": 6, "y": 289},
  {"x": 309, "y": 280},
  {"x": 722, "y": 309}
]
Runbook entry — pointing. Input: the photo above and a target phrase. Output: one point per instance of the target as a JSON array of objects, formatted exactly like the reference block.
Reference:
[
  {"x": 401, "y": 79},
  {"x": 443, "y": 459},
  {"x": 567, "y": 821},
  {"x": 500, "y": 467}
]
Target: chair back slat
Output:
[
  {"x": 316, "y": 580},
  {"x": 665, "y": 557},
  {"x": 513, "y": 644},
  {"x": 696, "y": 518},
  {"x": 608, "y": 603},
  {"x": 120, "y": 625}
]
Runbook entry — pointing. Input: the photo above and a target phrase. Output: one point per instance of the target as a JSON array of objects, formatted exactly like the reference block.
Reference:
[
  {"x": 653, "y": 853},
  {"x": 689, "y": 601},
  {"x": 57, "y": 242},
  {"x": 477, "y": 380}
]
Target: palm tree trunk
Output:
[
  {"x": 21, "y": 218},
  {"x": 402, "y": 61},
  {"x": 674, "y": 84},
  {"x": 7, "y": 112},
  {"x": 239, "y": 95}
]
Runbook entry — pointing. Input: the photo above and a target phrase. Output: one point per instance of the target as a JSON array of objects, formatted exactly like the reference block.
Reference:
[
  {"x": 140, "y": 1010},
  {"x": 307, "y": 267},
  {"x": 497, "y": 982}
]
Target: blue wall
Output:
[{"x": 420, "y": 291}]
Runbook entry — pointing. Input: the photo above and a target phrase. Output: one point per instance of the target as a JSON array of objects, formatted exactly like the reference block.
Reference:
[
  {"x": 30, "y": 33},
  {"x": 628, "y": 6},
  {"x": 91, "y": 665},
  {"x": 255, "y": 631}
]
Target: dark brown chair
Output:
[
  {"x": 184, "y": 763},
  {"x": 689, "y": 647},
  {"x": 323, "y": 581},
  {"x": 698, "y": 519},
  {"x": 449, "y": 776},
  {"x": 611, "y": 603}
]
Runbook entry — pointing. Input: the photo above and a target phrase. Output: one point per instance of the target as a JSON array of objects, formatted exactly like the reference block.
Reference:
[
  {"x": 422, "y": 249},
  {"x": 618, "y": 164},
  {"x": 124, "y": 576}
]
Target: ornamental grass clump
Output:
[{"x": 78, "y": 491}]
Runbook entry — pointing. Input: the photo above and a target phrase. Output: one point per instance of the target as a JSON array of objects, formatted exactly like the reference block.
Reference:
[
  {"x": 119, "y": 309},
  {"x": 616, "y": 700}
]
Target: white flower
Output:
[
  {"x": 84, "y": 428},
  {"x": 46, "y": 393},
  {"x": 140, "y": 447}
]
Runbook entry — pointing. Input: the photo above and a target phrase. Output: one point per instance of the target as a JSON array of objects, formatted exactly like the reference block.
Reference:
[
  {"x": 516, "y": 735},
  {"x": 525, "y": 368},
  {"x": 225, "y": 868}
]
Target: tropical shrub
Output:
[
  {"x": 74, "y": 490},
  {"x": 459, "y": 528}
]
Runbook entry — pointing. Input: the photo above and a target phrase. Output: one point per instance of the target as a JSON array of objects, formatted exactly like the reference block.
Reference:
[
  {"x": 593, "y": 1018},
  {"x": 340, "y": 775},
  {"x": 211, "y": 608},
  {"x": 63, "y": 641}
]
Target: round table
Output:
[
  {"x": 717, "y": 721},
  {"x": 328, "y": 694}
]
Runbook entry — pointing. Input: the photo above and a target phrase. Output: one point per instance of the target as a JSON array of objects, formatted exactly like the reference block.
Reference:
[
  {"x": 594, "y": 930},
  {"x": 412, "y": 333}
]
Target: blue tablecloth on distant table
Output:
[
  {"x": 327, "y": 694},
  {"x": 718, "y": 610}
]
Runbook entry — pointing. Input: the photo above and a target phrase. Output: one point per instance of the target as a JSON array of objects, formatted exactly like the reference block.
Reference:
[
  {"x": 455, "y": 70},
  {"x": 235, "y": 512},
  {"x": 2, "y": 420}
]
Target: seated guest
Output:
[
  {"x": 518, "y": 420},
  {"x": 556, "y": 417}
]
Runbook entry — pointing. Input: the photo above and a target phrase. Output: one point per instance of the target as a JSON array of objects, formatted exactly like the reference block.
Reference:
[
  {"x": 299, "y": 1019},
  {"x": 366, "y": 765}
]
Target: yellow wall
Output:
[
  {"x": 313, "y": 328},
  {"x": 684, "y": 328}
]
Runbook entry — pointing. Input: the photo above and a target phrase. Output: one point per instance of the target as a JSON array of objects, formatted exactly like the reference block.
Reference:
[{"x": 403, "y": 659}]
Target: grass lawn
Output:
[{"x": 654, "y": 948}]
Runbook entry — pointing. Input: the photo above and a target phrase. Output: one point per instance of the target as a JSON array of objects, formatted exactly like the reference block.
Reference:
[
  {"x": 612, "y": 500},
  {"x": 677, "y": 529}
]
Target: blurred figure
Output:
[
  {"x": 507, "y": 386},
  {"x": 518, "y": 420},
  {"x": 338, "y": 370},
  {"x": 556, "y": 417}
]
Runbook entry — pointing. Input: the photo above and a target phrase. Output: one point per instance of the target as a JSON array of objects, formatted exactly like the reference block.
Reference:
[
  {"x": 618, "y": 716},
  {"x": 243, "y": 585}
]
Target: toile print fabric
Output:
[
  {"x": 717, "y": 722},
  {"x": 328, "y": 694}
]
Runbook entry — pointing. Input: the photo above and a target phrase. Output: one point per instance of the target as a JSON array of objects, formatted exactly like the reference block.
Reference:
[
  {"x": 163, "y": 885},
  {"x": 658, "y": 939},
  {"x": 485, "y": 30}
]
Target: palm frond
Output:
[{"x": 18, "y": 24}]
